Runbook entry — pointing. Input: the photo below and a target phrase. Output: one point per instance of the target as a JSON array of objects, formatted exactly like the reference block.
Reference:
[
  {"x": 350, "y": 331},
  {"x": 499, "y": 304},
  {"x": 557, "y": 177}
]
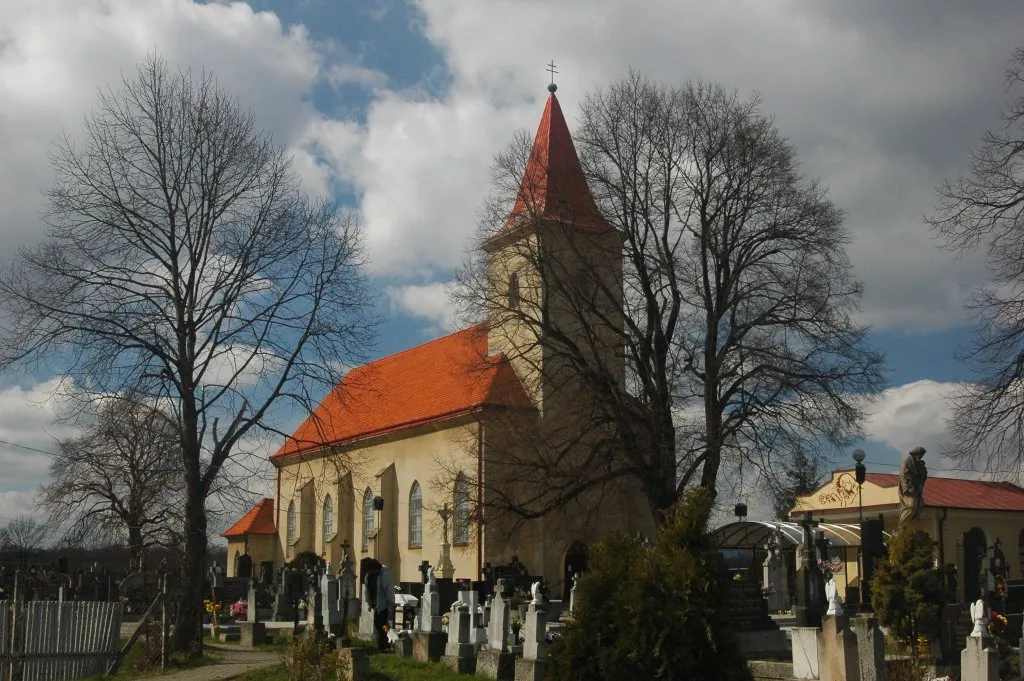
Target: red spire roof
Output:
[
  {"x": 259, "y": 520},
  {"x": 446, "y": 377},
  {"x": 553, "y": 185}
]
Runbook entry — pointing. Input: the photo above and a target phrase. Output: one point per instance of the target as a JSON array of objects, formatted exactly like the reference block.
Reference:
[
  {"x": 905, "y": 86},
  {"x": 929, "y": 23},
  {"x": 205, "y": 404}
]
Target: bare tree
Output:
[
  {"x": 709, "y": 325},
  {"x": 121, "y": 481},
  {"x": 985, "y": 210},
  {"x": 22, "y": 538},
  {"x": 184, "y": 264}
]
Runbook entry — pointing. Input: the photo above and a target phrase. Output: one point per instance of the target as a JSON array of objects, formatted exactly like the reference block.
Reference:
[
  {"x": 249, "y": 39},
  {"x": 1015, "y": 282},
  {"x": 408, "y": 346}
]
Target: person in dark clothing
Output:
[{"x": 371, "y": 573}]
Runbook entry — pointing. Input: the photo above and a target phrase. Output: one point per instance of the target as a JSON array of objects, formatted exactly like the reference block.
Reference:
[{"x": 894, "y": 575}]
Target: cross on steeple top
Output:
[{"x": 552, "y": 70}]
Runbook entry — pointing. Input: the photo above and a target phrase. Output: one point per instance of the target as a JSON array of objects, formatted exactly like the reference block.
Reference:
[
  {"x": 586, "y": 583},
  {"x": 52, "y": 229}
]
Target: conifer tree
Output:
[
  {"x": 907, "y": 590},
  {"x": 652, "y": 611}
]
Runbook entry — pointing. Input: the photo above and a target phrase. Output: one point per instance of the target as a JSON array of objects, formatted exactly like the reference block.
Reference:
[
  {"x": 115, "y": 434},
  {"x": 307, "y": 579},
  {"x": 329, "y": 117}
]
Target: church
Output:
[{"x": 399, "y": 460}]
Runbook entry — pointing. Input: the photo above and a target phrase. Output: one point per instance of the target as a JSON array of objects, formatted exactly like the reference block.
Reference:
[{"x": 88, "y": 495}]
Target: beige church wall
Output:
[
  {"x": 260, "y": 547},
  {"x": 542, "y": 544},
  {"x": 388, "y": 467},
  {"x": 508, "y": 334},
  {"x": 236, "y": 546}
]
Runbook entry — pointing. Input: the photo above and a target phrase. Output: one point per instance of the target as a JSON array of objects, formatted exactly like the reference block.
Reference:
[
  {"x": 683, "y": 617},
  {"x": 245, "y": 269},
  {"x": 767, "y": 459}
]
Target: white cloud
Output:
[
  {"x": 14, "y": 504},
  {"x": 910, "y": 415},
  {"x": 28, "y": 428},
  {"x": 879, "y": 102},
  {"x": 54, "y": 56},
  {"x": 429, "y": 301}
]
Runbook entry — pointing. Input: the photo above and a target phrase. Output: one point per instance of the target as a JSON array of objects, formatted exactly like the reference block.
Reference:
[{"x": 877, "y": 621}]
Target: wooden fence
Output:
[{"x": 54, "y": 640}]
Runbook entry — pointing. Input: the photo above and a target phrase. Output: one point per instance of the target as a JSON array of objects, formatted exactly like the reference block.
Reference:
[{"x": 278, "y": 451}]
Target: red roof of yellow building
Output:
[
  {"x": 447, "y": 377},
  {"x": 959, "y": 493},
  {"x": 259, "y": 520}
]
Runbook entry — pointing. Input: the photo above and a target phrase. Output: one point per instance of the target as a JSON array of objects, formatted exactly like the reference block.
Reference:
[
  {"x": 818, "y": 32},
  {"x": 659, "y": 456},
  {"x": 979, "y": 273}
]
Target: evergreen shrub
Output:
[{"x": 652, "y": 611}]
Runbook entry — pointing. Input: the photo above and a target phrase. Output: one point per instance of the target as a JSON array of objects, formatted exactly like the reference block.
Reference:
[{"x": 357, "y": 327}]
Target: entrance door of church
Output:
[
  {"x": 575, "y": 561},
  {"x": 974, "y": 555}
]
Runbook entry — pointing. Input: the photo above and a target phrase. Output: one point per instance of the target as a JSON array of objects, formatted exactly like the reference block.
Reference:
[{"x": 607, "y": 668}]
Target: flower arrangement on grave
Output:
[
  {"x": 768, "y": 589},
  {"x": 1000, "y": 590},
  {"x": 738, "y": 577},
  {"x": 240, "y": 609},
  {"x": 515, "y": 625},
  {"x": 211, "y": 607},
  {"x": 997, "y": 623},
  {"x": 445, "y": 619},
  {"x": 825, "y": 567}
]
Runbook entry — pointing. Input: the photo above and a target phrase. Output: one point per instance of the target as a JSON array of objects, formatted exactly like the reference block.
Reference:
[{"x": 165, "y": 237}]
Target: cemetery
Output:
[{"x": 795, "y": 600}]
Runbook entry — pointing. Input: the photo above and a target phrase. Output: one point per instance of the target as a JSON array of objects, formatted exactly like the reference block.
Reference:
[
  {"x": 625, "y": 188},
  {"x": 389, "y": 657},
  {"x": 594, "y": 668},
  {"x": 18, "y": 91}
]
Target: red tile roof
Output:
[
  {"x": 957, "y": 493},
  {"x": 259, "y": 520},
  {"x": 553, "y": 185},
  {"x": 446, "y": 377}
]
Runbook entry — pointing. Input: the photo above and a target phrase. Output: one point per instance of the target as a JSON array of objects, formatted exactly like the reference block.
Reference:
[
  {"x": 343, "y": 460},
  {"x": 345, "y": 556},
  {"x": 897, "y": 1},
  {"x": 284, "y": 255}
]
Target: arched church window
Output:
[
  {"x": 291, "y": 522},
  {"x": 514, "y": 298},
  {"x": 461, "y": 533},
  {"x": 328, "y": 520},
  {"x": 415, "y": 516},
  {"x": 367, "y": 518}
]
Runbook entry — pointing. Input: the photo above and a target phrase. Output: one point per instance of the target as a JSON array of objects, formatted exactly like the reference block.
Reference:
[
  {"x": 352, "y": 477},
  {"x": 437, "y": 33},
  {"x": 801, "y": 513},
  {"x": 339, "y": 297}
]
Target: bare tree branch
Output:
[{"x": 184, "y": 264}]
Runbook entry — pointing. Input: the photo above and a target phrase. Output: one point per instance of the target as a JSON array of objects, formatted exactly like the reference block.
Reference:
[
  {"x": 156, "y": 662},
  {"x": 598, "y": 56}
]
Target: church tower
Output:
[{"x": 555, "y": 268}]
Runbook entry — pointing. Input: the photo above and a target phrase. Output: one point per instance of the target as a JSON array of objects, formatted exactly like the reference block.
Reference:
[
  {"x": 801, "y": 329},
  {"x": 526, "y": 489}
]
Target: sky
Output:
[{"x": 395, "y": 108}]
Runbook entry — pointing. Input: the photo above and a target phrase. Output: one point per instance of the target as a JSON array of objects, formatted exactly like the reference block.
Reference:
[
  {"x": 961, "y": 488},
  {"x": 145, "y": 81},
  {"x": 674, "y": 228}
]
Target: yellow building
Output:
[
  {"x": 967, "y": 519},
  {"x": 414, "y": 429}
]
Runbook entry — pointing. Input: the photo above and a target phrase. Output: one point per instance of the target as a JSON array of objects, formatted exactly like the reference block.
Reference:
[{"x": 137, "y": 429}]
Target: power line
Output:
[
  {"x": 943, "y": 470},
  {"x": 26, "y": 447}
]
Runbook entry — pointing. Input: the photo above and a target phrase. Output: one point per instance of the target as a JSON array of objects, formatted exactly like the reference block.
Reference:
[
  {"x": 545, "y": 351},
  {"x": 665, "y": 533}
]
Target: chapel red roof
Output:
[
  {"x": 958, "y": 493},
  {"x": 446, "y": 377},
  {"x": 553, "y": 185},
  {"x": 258, "y": 520}
]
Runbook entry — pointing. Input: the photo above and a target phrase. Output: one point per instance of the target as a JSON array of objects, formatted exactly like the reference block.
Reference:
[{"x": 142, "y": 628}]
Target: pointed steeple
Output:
[{"x": 553, "y": 186}]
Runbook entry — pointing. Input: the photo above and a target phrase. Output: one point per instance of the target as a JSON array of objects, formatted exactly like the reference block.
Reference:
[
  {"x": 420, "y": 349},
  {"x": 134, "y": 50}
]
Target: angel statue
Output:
[
  {"x": 835, "y": 606},
  {"x": 979, "y": 619},
  {"x": 538, "y": 598}
]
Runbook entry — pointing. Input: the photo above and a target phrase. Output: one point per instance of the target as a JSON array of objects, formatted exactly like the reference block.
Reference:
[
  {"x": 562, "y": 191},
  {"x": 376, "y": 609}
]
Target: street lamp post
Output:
[{"x": 860, "y": 473}]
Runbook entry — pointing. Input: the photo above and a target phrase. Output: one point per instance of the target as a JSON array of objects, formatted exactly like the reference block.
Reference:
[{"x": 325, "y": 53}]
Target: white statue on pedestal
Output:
[
  {"x": 835, "y": 606},
  {"x": 979, "y": 619},
  {"x": 538, "y": 598}
]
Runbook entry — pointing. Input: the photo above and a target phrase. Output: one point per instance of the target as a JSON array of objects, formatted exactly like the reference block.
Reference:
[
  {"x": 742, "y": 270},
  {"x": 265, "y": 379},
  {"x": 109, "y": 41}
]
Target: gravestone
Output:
[
  {"x": 746, "y": 608},
  {"x": 531, "y": 666},
  {"x": 460, "y": 653},
  {"x": 329, "y": 602},
  {"x": 870, "y": 647},
  {"x": 252, "y": 632},
  {"x": 773, "y": 575},
  {"x": 348, "y": 595},
  {"x": 979, "y": 661},
  {"x": 495, "y": 661},
  {"x": 428, "y": 641},
  {"x": 366, "y": 628},
  {"x": 805, "y": 652},
  {"x": 477, "y": 634},
  {"x": 839, "y": 658},
  {"x": 956, "y": 626}
]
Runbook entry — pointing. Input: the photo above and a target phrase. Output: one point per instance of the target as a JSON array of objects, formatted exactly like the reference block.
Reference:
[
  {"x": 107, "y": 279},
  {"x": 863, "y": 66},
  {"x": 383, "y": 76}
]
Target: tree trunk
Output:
[
  {"x": 188, "y": 632},
  {"x": 135, "y": 545}
]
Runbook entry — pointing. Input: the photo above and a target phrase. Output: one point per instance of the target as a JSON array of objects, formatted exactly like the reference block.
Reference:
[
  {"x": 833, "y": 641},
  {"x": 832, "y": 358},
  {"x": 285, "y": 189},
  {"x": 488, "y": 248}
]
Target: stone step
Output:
[{"x": 770, "y": 671}]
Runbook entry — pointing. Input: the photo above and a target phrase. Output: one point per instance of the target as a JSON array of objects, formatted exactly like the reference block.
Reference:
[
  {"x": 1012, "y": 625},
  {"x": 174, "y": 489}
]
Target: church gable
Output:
[{"x": 446, "y": 377}]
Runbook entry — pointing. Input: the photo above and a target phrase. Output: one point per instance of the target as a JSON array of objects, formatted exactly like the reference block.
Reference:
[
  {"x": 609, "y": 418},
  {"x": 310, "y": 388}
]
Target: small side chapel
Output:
[{"x": 359, "y": 474}]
